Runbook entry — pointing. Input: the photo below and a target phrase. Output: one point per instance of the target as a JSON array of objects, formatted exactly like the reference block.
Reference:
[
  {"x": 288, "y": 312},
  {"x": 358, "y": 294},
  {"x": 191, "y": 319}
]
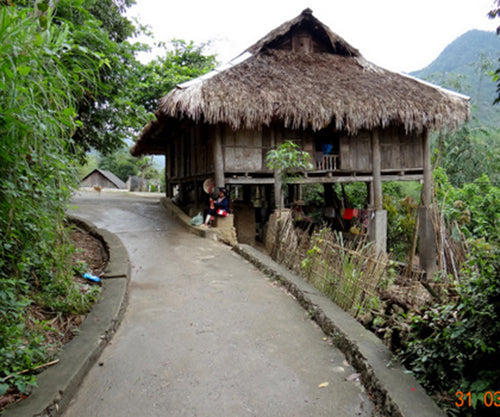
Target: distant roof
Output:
[
  {"x": 331, "y": 84},
  {"x": 109, "y": 176}
]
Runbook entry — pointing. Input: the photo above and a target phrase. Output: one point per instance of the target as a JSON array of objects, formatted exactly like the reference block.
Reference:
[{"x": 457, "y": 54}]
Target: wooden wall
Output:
[
  {"x": 356, "y": 152},
  {"x": 242, "y": 150},
  {"x": 399, "y": 151},
  {"x": 191, "y": 152},
  {"x": 245, "y": 150}
]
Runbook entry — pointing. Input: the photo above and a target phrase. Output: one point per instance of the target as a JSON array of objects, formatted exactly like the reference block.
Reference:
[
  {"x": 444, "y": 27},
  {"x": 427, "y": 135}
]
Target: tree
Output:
[
  {"x": 107, "y": 112},
  {"x": 494, "y": 13},
  {"x": 467, "y": 154},
  {"x": 287, "y": 160},
  {"x": 182, "y": 63},
  {"x": 68, "y": 79},
  {"x": 104, "y": 106},
  {"x": 120, "y": 163}
]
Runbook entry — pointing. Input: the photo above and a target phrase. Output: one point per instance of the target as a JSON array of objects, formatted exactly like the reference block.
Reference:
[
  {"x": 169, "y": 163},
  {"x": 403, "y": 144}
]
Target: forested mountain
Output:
[{"x": 465, "y": 66}]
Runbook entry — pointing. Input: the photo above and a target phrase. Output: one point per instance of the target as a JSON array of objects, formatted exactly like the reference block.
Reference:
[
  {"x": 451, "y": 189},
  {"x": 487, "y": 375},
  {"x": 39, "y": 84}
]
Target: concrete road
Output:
[{"x": 205, "y": 333}]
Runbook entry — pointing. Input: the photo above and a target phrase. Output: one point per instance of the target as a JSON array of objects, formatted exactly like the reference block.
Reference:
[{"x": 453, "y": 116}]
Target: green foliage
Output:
[
  {"x": 38, "y": 108},
  {"x": 106, "y": 105},
  {"x": 401, "y": 202},
  {"x": 455, "y": 344},
  {"x": 475, "y": 207},
  {"x": 356, "y": 194},
  {"x": 120, "y": 163},
  {"x": 467, "y": 154},
  {"x": 493, "y": 14},
  {"x": 313, "y": 196},
  {"x": 182, "y": 63},
  {"x": 288, "y": 159},
  {"x": 86, "y": 167},
  {"x": 401, "y": 216}
]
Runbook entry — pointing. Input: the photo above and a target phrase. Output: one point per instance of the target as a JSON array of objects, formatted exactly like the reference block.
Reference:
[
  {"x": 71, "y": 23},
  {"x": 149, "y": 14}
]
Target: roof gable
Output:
[
  {"x": 109, "y": 176},
  {"x": 305, "y": 28}
]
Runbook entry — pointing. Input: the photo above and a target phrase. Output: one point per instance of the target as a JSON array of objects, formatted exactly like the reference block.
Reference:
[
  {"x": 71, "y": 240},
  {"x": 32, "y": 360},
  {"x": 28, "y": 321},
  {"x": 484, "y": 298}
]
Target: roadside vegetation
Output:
[
  {"x": 70, "y": 84},
  {"x": 444, "y": 328}
]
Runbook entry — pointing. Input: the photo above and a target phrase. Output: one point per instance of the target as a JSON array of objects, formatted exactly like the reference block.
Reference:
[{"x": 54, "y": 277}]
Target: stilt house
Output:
[{"x": 301, "y": 82}]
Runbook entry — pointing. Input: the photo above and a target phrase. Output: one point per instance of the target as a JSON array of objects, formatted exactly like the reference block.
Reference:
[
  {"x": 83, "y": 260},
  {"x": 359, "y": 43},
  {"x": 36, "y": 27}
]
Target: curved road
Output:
[{"x": 205, "y": 333}]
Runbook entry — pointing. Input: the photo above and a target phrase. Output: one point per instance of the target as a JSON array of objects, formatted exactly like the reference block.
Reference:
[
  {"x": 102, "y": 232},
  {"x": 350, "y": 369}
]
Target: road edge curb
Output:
[
  {"x": 394, "y": 390},
  {"x": 57, "y": 385}
]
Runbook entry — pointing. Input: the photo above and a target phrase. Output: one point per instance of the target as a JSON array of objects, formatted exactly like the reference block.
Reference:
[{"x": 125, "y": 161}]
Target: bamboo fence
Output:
[{"x": 347, "y": 270}]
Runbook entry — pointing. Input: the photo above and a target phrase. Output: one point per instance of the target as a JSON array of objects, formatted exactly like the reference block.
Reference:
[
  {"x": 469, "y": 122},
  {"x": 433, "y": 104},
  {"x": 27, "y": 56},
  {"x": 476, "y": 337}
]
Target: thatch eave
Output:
[{"x": 313, "y": 91}]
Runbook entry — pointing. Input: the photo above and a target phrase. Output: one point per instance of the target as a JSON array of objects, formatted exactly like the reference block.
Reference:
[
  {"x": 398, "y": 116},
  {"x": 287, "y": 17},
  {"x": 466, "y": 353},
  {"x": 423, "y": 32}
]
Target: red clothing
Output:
[{"x": 348, "y": 213}]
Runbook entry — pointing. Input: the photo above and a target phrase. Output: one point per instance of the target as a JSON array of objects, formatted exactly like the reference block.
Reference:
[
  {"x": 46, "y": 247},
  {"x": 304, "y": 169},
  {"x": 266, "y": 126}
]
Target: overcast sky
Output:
[{"x": 400, "y": 35}]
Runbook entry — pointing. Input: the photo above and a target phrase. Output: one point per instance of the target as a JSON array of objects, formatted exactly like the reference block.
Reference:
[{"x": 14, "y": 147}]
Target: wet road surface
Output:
[{"x": 205, "y": 333}]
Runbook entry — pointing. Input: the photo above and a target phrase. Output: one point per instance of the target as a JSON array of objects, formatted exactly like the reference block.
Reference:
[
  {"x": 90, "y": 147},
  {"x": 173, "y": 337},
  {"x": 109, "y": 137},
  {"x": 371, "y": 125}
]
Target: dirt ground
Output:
[{"x": 90, "y": 251}]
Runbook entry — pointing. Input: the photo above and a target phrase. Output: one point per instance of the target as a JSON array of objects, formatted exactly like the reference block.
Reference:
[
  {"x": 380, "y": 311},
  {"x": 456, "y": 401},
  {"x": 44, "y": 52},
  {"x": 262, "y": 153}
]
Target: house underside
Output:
[{"x": 236, "y": 159}]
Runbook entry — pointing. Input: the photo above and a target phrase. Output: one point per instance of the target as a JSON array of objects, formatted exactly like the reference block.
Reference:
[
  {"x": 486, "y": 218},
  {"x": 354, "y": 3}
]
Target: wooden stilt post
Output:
[
  {"x": 168, "y": 188},
  {"x": 427, "y": 192},
  {"x": 278, "y": 190},
  {"x": 247, "y": 194},
  {"x": 328, "y": 194},
  {"x": 377, "y": 177},
  {"x": 218, "y": 158},
  {"x": 369, "y": 194},
  {"x": 427, "y": 246},
  {"x": 378, "y": 225}
]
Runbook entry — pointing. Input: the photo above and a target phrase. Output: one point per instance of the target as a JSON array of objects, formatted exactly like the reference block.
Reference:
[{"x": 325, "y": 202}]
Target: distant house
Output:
[
  {"x": 102, "y": 178},
  {"x": 302, "y": 82}
]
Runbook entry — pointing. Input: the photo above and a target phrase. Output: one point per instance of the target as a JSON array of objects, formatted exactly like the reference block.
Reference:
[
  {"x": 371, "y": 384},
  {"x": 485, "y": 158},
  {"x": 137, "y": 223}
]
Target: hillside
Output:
[{"x": 464, "y": 66}]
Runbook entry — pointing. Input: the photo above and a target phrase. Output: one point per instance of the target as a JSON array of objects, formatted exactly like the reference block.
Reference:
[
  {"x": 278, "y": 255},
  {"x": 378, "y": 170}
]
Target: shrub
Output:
[
  {"x": 454, "y": 345},
  {"x": 38, "y": 116}
]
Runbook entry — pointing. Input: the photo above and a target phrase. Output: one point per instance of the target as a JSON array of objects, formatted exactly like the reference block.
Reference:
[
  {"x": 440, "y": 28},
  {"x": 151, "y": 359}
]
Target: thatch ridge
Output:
[{"x": 307, "y": 22}]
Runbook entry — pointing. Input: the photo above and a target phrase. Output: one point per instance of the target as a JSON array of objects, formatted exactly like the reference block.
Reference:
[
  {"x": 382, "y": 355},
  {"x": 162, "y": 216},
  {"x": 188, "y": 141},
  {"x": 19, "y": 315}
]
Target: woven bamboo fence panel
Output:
[{"x": 345, "y": 269}]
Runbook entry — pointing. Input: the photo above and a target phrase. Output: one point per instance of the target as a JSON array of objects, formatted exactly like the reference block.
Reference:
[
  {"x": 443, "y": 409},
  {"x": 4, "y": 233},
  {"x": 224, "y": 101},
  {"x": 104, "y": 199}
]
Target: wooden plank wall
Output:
[
  {"x": 245, "y": 150},
  {"x": 356, "y": 152},
  {"x": 242, "y": 150},
  {"x": 398, "y": 151},
  {"x": 191, "y": 153}
]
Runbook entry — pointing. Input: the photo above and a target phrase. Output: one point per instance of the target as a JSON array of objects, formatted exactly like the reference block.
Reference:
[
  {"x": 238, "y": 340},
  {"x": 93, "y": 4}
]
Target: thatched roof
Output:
[
  {"x": 112, "y": 178},
  {"x": 333, "y": 84}
]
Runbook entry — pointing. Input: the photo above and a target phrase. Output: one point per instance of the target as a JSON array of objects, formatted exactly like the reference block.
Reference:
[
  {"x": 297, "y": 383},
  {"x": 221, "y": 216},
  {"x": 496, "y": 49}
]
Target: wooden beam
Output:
[{"x": 323, "y": 180}]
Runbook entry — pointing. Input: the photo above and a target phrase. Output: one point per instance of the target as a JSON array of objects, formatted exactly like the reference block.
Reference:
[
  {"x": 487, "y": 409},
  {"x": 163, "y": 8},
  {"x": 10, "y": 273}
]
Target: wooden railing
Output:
[{"x": 327, "y": 163}]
